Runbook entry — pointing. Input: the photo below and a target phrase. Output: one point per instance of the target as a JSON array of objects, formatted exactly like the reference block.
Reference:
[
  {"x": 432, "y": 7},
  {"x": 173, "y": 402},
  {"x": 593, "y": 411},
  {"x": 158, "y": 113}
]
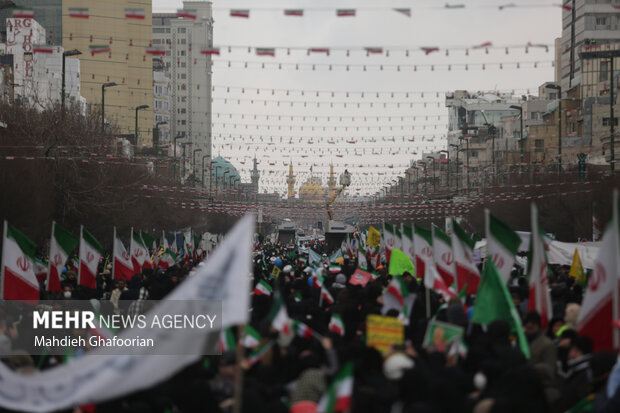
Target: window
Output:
[
  {"x": 553, "y": 96},
  {"x": 183, "y": 110},
  {"x": 474, "y": 154},
  {"x": 166, "y": 107},
  {"x": 182, "y": 122},
  {"x": 539, "y": 143},
  {"x": 165, "y": 91},
  {"x": 601, "y": 21},
  {"x": 168, "y": 41},
  {"x": 183, "y": 41},
  {"x": 156, "y": 41},
  {"x": 603, "y": 71},
  {"x": 606, "y": 121},
  {"x": 183, "y": 64},
  {"x": 158, "y": 30},
  {"x": 181, "y": 30},
  {"x": 168, "y": 30}
]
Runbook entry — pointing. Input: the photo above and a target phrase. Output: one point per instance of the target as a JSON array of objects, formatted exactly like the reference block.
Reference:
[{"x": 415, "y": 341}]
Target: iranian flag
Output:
[
  {"x": 265, "y": 51},
  {"x": 19, "y": 281},
  {"x": 601, "y": 306},
  {"x": 138, "y": 251},
  {"x": 397, "y": 296},
  {"x": 167, "y": 259},
  {"x": 134, "y": 14},
  {"x": 407, "y": 241},
  {"x": 539, "y": 298},
  {"x": 302, "y": 330},
  {"x": 389, "y": 240},
  {"x": 210, "y": 51},
  {"x": 122, "y": 267},
  {"x": 90, "y": 254},
  {"x": 227, "y": 340},
  {"x": 463, "y": 250},
  {"x": 326, "y": 296},
  {"x": 187, "y": 14},
  {"x": 251, "y": 338},
  {"x": 96, "y": 49},
  {"x": 336, "y": 325},
  {"x": 23, "y": 13},
  {"x": 43, "y": 49},
  {"x": 435, "y": 282},
  {"x": 278, "y": 315},
  {"x": 340, "y": 393},
  {"x": 255, "y": 356},
  {"x": 62, "y": 245},
  {"x": 502, "y": 245},
  {"x": 334, "y": 269},
  {"x": 156, "y": 51},
  {"x": 79, "y": 12},
  {"x": 345, "y": 12},
  {"x": 442, "y": 254},
  {"x": 244, "y": 13},
  {"x": 423, "y": 247},
  {"x": 361, "y": 260},
  {"x": 263, "y": 288},
  {"x": 294, "y": 12}
]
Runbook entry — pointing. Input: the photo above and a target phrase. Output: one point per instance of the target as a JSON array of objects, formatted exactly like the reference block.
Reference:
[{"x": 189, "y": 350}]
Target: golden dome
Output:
[{"x": 312, "y": 191}]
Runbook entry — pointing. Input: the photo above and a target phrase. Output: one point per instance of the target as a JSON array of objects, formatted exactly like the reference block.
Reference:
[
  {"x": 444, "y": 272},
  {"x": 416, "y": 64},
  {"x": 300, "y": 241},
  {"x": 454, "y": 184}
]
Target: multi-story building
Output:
[
  {"x": 47, "y": 12},
  {"x": 187, "y": 42},
  {"x": 37, "y": 67},
  {"x": 161, "y": 107},
  {"x": 584, "y": 22},
  {"x": 115, "y": 41}
]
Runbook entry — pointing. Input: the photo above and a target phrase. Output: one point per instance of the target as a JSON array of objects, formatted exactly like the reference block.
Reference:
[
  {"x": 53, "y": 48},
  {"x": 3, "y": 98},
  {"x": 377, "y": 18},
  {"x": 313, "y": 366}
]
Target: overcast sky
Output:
[{"x": 376, "y": 25}]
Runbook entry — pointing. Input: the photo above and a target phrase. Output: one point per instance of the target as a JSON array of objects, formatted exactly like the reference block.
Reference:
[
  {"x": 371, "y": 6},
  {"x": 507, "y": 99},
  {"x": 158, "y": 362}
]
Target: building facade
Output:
[
  {"x": 47, "y": 12},
  {"x": 186, "y": 42},
  {"x": 161, "y": 108},
  {"x": 37, "y": 67},
  {"x": 114, "y": 41},
  {"x": 588, "y": 21}
]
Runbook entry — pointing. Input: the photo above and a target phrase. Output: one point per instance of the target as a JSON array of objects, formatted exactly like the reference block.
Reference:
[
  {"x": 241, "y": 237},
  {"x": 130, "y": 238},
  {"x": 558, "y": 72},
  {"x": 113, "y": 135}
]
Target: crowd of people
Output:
[{"x": 490, "y": 374}]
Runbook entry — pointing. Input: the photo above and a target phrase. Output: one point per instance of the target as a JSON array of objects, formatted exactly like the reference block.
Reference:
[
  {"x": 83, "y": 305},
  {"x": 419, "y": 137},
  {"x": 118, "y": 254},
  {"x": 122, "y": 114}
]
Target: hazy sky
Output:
[{"x": 376, "y": 25}]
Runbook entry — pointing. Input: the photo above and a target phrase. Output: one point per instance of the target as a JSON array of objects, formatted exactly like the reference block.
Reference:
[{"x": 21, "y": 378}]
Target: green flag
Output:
[
  {"x": 148, "y": 239},
  {"x": 493, "y": 302},
  {"x": 400, "y": 263}
]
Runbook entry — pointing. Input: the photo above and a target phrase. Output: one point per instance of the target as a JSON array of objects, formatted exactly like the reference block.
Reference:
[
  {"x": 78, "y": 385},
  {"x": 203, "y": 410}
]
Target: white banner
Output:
[{"x": 100, "y": 376}]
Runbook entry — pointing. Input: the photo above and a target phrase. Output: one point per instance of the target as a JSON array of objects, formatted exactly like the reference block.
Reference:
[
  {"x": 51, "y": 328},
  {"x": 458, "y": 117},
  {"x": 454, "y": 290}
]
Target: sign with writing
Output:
[
  {"x": 383, "y": 332},
  {"x": 439, "y": 335},
  {"x": 360, "y": 277}
]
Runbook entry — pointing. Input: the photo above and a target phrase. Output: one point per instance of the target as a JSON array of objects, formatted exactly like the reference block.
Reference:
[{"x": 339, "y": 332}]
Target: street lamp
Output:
[
  {"x": 448, "y": 158},
  {"x": 174, "y": 176},
  {"x": 109, "y": 84},
  {"x": 520, "y": 109},
  {"x": 216, "y": 180},
  {"x": 416, "y": 178},
  {"x": 194, "y": 159},
  {"x": 425, "y": 180},
  {"x": 203, "y": 168},
  {"x": 456, "y": 147},
  {"x": 156, "y": 134},
  {"x": 432, "y": 158},
  {"x": 73, "y": 52},
  {"x": 467, "y": 161},
  {"x": 139, "y": 108}
]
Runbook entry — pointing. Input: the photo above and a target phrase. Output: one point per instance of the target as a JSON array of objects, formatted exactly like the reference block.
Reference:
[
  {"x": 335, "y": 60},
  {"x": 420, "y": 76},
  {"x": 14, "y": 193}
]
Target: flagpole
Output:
[
  {"x": 3, "y": 260},
  {"x": 616, "y": 227},
  {"x": 113, "y": 253},
  {"x": 238, "y": 396},
  {"x": 80, "y": 254},
  {"x": 50, "y": 261},
  {"x": 487, "y": 231}
]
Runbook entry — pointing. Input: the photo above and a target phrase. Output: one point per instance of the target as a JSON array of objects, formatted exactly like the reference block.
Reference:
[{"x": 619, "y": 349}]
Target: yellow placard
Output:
[
  {"x": 275, "y": 272},
  {"x": 374, "y": 237},
  {"x": 384, "y": 332}
]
